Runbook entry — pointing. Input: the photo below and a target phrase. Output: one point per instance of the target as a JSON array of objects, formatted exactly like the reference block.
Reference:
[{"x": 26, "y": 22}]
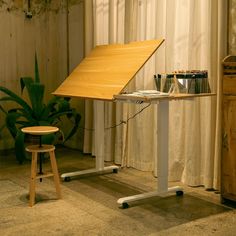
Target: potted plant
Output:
[{"x": 36, "y": 112}]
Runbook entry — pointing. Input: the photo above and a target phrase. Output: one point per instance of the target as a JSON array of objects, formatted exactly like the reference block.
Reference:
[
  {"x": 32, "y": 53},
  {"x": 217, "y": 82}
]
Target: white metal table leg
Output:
[
  {"x": 99, "y": 145},
  {"x": 99, "y": 134},
  {"x": 162, "y": 158},
  {"x": 162, "y": 145}
]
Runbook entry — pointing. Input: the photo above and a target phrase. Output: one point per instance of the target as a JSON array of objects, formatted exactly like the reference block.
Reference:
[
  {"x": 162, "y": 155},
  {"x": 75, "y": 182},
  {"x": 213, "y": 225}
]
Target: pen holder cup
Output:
[{"x": 190, "y": 83}]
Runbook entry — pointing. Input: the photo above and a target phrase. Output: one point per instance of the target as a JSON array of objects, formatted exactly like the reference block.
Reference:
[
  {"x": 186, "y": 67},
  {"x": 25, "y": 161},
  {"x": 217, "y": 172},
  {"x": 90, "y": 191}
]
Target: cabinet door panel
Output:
[
  {"x": 229, "y": 84},
  {"x": 228, "y": 185}
]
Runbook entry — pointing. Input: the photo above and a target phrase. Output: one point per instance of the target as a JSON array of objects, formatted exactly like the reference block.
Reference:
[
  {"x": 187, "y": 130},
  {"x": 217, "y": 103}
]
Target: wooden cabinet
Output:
[{"x": 228, "y": 160}]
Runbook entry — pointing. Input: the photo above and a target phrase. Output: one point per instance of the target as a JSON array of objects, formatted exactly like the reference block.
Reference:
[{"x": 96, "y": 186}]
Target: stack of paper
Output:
[{"x": 149, "y": 93}]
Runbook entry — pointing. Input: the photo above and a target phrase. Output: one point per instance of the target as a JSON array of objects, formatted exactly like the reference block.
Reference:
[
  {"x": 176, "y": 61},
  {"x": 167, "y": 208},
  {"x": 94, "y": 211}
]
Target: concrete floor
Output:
[{"x": 89, "y": 205}]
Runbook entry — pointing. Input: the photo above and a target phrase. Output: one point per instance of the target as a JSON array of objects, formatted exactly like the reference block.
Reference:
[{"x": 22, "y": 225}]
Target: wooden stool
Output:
[{"x": 41, "y": 148}]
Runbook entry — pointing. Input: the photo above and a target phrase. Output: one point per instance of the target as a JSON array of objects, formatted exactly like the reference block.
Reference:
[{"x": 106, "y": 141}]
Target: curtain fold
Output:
[{"x": 194, "y": 36}]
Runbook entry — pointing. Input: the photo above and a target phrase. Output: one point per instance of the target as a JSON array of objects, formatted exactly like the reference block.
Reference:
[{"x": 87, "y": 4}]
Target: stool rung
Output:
[
  {"x": 38, "y": 149},
  {"x": 39, "y": 176}
]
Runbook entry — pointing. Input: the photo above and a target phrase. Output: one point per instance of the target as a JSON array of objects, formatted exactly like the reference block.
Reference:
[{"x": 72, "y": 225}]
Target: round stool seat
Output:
[
  {"x": 42, "y": 148},
  {"x": 39, "y": 130}
]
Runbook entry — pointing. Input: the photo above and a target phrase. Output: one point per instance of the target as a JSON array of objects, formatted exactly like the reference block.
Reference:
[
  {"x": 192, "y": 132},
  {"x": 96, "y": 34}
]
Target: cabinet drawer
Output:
[{"x": 229, "y": 85}]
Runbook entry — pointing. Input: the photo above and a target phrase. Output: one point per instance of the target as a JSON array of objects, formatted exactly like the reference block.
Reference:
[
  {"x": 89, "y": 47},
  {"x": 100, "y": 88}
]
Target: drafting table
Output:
[
  {"x": 102, "y": 76},
  {"x": 162, "y": 143},
  {"x": 105, "y": 72}
]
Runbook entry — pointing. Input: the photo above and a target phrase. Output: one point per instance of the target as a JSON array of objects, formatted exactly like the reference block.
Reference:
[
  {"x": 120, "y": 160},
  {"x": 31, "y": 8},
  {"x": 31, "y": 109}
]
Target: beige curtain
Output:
[{"x": 194, "y": 33}]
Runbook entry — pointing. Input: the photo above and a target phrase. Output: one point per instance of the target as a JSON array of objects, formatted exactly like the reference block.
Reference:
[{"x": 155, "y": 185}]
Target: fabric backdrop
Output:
[{"x": 195, "y": 38}]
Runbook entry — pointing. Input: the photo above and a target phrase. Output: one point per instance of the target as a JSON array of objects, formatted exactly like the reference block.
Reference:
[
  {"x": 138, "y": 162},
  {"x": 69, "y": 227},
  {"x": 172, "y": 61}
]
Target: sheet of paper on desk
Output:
[
  {"x": 142, "y": 95},
  {"x": 149, "y": 93}
]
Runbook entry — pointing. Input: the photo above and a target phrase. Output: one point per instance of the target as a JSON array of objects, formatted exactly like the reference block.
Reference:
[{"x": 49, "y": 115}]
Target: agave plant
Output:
[{"x": 36, "y": 112}]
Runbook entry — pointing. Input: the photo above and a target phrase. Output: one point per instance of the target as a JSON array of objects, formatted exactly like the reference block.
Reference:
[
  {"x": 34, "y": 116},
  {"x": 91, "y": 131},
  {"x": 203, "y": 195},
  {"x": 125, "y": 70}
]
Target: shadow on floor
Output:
[{"x": 168, "y": 211}]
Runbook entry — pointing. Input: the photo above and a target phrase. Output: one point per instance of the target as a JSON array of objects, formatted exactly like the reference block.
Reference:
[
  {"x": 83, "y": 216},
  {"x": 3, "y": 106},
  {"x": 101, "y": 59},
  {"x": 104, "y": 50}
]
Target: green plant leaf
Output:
[
  {"x": 25, "y": 82},
  {"x": 72, "y": 115},
  {"x": 48, "y": 139},
  {"x": 20, "y": 147},
  {"x": 3, "y": 110},
  {"x": 27, "y": 116},
  {"x": 37, "y": 114},
  {"x": 59, "y": 114},
  {"x": 11, "y": 122},
  {"x": 77, "y": 118},
  {"x": 15, "y": 98},
  {"x": 63, "y": 105},
  {"x": 36, "y": 70},
  {"x": 36, "y": 93},
  {"x": 1, "y": 129},
  {"x": 50, "y": 107}
]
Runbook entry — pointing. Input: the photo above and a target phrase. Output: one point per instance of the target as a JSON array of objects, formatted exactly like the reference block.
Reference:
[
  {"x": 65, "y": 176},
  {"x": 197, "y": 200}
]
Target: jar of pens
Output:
[{"x": 190, "y": 81}]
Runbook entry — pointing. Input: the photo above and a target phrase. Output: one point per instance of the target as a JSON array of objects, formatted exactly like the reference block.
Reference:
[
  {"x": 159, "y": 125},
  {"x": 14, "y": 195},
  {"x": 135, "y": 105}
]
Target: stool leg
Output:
[
  {"x": 33, "y": 179},
  {"x": 55, "y": 173}
]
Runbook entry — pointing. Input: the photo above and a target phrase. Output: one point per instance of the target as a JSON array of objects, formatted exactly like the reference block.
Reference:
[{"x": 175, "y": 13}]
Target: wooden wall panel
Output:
[{"x": 46, "y": 34}]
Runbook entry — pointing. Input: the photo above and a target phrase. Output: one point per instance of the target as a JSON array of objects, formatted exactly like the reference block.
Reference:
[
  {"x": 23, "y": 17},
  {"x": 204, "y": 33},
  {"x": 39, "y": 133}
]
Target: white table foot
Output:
[
  {"x": 125, "y": 200},
  {"x": 67, "y": 176}
]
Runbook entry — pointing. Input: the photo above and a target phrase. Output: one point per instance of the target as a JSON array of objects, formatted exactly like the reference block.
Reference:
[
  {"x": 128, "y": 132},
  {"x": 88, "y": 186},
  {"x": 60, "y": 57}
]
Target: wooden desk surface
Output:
[
  {"x": 107, "y": 70},
  {"x": 179, "y": 96}
]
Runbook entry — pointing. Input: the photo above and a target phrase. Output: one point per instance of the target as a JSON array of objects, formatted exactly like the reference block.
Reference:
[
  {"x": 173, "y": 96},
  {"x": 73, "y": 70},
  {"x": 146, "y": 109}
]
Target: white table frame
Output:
[
  {"x": 162, "y": 145},
  {"x": 99, "y": 146},
  {"x": 162, "y": 151},
  {"x": 162, "y": 159}
]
